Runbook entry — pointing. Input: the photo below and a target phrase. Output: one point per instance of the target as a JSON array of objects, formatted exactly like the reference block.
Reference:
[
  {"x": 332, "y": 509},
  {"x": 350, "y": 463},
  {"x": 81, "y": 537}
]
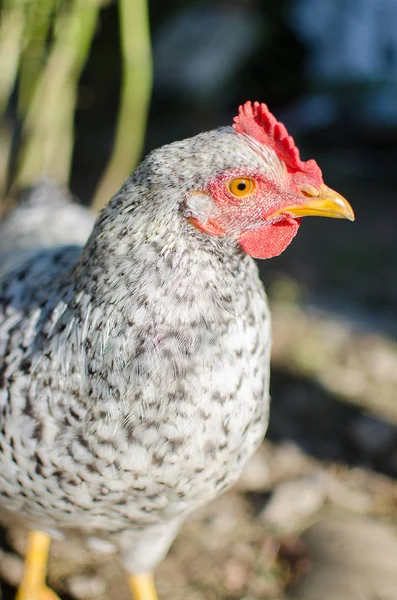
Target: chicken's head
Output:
[{"x": 259, "y": 188}]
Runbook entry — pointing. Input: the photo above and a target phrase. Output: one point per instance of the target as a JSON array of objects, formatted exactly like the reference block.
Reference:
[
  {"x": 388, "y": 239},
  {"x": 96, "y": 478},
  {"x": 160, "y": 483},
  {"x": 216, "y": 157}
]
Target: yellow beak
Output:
[{"x": 321, "y": 203}]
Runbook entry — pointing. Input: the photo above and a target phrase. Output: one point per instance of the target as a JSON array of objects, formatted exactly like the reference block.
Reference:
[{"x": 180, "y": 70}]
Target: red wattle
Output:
[{"x": 271, "y": 239}]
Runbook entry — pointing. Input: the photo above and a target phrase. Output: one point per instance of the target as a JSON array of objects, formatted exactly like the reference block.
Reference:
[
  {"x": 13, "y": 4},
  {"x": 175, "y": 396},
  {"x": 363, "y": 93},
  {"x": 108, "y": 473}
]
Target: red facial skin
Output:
[{"x": 246, "y": 218}]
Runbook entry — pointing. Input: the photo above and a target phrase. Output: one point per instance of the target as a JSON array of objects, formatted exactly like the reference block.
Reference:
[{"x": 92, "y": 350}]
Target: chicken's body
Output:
[
  {"x": 134, "y": 372},
  {"x": 135, "y": 377}
]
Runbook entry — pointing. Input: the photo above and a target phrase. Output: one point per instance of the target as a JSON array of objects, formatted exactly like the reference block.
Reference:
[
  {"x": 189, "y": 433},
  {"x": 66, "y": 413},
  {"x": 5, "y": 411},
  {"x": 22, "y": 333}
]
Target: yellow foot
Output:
[
  {"x": 142, "y": 586},
  {"x": 33, "y": 586}
]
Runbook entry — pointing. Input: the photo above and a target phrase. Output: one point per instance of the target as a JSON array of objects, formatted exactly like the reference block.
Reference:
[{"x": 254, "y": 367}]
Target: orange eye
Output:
[{"x": 241, "y": 187}]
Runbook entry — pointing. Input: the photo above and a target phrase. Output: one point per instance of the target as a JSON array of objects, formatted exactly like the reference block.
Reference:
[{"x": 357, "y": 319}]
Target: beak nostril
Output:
[{"x": 309, "y": 191}]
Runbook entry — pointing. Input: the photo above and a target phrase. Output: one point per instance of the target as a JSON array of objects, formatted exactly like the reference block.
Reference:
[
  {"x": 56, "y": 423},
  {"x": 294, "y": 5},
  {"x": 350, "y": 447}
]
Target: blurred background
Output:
[{"x": 328, "y": 70}]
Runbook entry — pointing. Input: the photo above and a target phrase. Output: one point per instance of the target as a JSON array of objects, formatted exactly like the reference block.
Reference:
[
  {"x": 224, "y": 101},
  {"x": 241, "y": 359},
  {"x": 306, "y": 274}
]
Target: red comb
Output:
[{"x": 257, "y": 121}]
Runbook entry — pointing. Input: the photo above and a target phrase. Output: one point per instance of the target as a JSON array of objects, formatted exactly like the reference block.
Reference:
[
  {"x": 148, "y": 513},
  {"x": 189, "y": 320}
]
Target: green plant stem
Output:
[
  {"x": 135, "y": 98},
  {"x": 48, "y": 128},
  {"x": 12, "y": 21},
  {"x": 38, "y": 19}
]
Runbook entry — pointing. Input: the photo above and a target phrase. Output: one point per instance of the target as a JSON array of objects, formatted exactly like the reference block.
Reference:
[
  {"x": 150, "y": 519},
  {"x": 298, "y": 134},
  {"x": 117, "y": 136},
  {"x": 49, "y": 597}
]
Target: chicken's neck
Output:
[
  {"x": 151, "y": 266},
  {"x": 148, "y": 293}
]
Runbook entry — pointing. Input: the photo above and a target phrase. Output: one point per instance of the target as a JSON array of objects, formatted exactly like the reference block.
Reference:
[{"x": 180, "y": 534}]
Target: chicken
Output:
[
  {"x": 46, "y": 216},
  {"x": 134, "y": 371}
]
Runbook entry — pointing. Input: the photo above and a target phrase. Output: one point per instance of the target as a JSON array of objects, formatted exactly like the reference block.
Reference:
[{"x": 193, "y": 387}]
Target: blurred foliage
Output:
[{"x": 44, "y": 46}]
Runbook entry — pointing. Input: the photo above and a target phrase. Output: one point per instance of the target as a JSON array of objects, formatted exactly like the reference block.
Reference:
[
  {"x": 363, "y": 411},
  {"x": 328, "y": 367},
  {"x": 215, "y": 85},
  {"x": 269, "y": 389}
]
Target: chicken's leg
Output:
[
  {"x": 33, "y": 585},
  {"x": 142, "y": 586}
]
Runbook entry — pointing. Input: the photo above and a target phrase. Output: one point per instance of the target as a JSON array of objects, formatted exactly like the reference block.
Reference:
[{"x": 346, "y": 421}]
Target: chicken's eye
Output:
[{"x": 241, "y": 186}]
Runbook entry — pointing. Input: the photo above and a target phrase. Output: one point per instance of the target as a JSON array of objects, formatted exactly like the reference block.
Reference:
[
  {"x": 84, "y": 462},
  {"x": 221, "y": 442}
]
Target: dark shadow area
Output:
[{"x": 328, "y": 429}]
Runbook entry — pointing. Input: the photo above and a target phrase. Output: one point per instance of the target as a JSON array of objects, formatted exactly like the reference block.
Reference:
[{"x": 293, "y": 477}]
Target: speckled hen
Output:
[{"x": 134, "y": 370}]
